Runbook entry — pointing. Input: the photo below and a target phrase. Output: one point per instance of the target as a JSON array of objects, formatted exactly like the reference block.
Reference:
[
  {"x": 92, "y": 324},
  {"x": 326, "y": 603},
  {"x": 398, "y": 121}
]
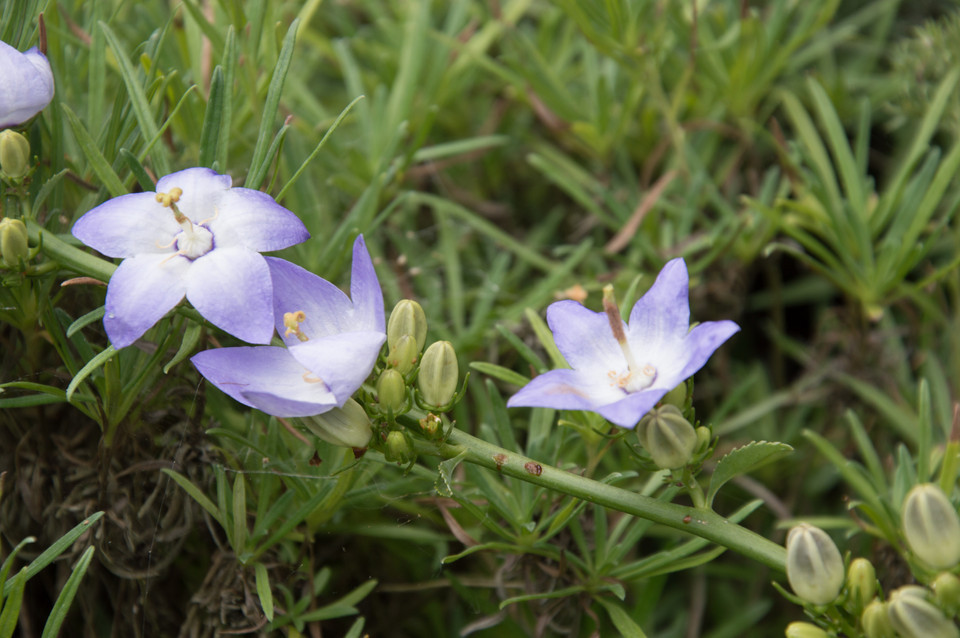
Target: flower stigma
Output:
[
  {"x": 292, "y": 321},
  {"x": 636, "y": 377}
]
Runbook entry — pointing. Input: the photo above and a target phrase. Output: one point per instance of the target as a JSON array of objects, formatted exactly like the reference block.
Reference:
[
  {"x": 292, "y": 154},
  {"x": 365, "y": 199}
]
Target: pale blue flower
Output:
[
  {"x": 26, "y": 84},
  {"x": 198, "y": 237},
  {"x": 332, "y": 343},
  {"x": 622, "y": 370}
]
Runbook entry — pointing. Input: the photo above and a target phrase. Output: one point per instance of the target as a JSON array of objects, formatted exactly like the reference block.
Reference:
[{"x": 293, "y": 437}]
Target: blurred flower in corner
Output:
[{"x": 26, "y": 84}]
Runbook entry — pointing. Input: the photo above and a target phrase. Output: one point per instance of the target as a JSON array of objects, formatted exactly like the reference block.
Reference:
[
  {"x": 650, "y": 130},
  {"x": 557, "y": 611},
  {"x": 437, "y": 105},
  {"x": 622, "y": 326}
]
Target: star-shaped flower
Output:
[
  {"x": 332, "y": 343},
  {"x": 196, "y": 236},
  {"x": 26, "y": 84},
  {"x": 621, "y": 371}
]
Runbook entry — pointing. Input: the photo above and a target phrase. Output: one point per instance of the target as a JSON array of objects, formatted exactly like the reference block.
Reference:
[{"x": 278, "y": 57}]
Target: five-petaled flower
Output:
[
  {"x": 26, "y": 86},
  {"x": 196, "y": 236},
  {"x": 332, "y": 343},
  {"x": 621, "y": 371}
]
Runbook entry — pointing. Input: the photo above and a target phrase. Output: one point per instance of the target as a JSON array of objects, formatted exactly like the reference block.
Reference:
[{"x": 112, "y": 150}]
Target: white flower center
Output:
[
  {"x": 636, "y": 377},
  {"x": 194, "y": 241}
]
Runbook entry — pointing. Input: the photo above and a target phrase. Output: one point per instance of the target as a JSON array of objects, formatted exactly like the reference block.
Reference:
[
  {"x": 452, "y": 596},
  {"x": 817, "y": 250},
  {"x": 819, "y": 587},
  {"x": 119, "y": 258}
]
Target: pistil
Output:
[{"x": 637, "y": 377}]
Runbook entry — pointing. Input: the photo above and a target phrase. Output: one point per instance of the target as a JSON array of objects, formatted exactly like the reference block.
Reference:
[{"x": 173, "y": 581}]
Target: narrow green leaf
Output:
[
  {"x": 196, "y": 494},
  {"x": 239, "y": 514},
  {"x": 191, "y": 337},
  {"x": 743, "y": 460},
  {"x": 621, "y": 619},
  {"x": 499, "y": 372},
  {"x": 137, "y": 170},
  {"x": 8, "y": 564},
  {"x": 89, "y": 368},
  {"x": 11, "y": 607},
  {"x": 85, "y": 320},
  {"x": 98, "y": 164},
  {"x": 212, "y": 133},
  {"x": 62, "y": 605},
  {"x": 263, "y": 590}
]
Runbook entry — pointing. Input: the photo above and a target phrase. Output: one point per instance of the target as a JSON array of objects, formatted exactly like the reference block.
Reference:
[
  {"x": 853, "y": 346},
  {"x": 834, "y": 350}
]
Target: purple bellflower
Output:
[
  {"x": 622, "y": 370},
  {"x": 332, "y": 343},
  {"x": 196, "y": 237},
  {"x": 26, "y": 86}
]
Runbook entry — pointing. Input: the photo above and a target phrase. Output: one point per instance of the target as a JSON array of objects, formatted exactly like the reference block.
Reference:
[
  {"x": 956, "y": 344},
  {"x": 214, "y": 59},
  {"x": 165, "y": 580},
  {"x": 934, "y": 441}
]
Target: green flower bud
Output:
[
  {"x": 397, "y": 448},
  {"x": 704, "y": 437},
  {"x": 875, "y": 622},
  {"x": 348, "y": 426},
  {"x": 13, "y": 241},
  {"x": 667, "y": 437},
  {"x": 439, "y": 374},
  {"x": 861, "y": 584},
  {"x": 14, "y": 154},
  {"x": 403, "y": 354},
  {"x": 913, "y": 616},
  {"x": 946, "y": 592},
  {"x": 931, "y": 526},
  {"x": 407, "y": 318},
  {"x": 814, "y": 565},
  {"x": 391, "y": 391},
  {"x": 804, "y": 630},
  {"x": 677, "y": 396}
]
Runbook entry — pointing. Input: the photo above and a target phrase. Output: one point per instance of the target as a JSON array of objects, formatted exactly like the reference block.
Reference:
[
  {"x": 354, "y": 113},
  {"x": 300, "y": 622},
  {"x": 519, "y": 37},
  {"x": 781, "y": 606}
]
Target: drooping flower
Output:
[
  {"x": 622, "y": 370},
  {"x": 26, "y": 84},
  {"x": 198, "y": 237},
  {"x": 332, "y": 343}
]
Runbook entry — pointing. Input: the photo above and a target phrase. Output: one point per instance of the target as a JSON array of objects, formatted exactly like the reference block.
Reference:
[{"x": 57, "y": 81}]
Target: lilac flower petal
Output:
[
  {"x": 327, "y": 309},
  {"x": 203, "y": 190},
  {"x": 342, "y": 360},
  {"x": 128, "y": 225},
  {"x": 584, "y": 338},
  {"x": 628, "y": 411},
  {"x": 231, "y": 287},
  {"x": 365, "y": 290},
  {"x": 27, "y": 86},
  {"x": 266, "y": 378},
  {"x": 252, "y": 219},
  {"x": 702, "y": 341},
  {"x": 141, "y": 291},
  {"x": 566, "y": 390},
  {"x": 663, "y": 313}
]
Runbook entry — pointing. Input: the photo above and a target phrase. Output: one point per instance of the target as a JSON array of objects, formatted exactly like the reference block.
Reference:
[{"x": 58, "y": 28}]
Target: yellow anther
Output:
[
  {"x": 311, "y": 379},
  {"x": 292, "y": 321},
  {"x": 169, "y": 199}
]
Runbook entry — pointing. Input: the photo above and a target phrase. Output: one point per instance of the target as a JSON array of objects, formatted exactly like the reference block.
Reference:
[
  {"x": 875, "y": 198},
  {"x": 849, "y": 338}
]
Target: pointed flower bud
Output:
[
  {"x": 861, "y": 583},
  {"x": 913, "y": 616},
  {"x": 439, "y": 374},
  {"x": 804, "y": 630},
  {"x": 13, "y": 241},
  {"x": 931, "y": 526},
  {"x": 875, "y": 622},
  {"x": 407, "y": 318},
  {"x": 667, "y": 437},
  {"x": 348, "y": 426},
  {"x": 946, "y": 592},
  {"x": 391, "y": 391},
  {"x": 403, "y": 354},
  {"x": 814, "y": 564},
  {"x": 14, "y": 154}
]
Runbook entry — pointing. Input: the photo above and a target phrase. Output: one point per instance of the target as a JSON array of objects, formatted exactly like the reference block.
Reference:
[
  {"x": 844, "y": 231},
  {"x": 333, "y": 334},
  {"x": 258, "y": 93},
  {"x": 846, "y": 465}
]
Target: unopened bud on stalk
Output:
[
  {"x": 814, "y": 565},
  {"x": 14, "y": 154},
  {"x": 348, "y": 426},
  {"x": 667, "y": 437},
  {"x": 403, "y": 354},
  {"x": 861, "y": 584},
  {"x": 439, "y": 374},
  {"x": 391, "y": 391},
  {"x": 874, "y": 621},
  {"x": 946, "y": 592},
  {"x": 677, "y": 396},
  {"x": 407, "y": 318},
  {"x": 804, "y": 630},
  {"x": 13, "y": 241},
  {"x": 704, "y": 437},
  {"x": 931, "y": 526},
  {"x": 397, "y": 448},
  {"x": 913, "y": 616}
]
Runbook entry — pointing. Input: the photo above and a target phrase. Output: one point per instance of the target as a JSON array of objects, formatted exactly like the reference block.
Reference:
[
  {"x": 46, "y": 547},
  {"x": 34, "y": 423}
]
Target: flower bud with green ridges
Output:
[
  {"x": 397, "y": 448},
  {"x": 667, "y": 437},
  {"x": 814, "y": 565},
  {"x": 439, "y": 374},
  {"x": 403, "y": 354},
  {"x": 874, "y": 621},
  {"x": 804, "y": 630},
  {"x": 913, "y": 616},
  {"x": 946, "y": 592},
  {"x": 931, "y": 526},
  {"x": 391, "y": 392},
  {"x": 407, "y": 318},
  {"x": 861, "y": 584},
  {"x": 13, "y": 242},
  {"x": 14, "y": 154},
  {"x": 348, "y": 426}
]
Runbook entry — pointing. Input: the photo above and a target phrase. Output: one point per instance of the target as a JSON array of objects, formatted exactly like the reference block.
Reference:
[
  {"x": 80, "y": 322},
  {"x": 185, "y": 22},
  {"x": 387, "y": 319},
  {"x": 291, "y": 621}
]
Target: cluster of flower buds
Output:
[
  {"x": 670, "y": 439},
  {"x": 913, "y": 611}
]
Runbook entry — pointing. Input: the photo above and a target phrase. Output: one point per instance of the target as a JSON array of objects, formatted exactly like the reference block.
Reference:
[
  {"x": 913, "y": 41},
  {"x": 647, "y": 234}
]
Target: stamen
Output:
[
  {"x": 311, "y": 379},
  {"x": 169, "y": 200},
  {"x": 292, "y": 321},
  {"x": 636, "y": 378}
]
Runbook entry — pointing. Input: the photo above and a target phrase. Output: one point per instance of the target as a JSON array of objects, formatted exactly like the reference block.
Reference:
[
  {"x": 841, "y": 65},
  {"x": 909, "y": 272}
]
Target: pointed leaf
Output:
[{"x": 743, "y": 460}]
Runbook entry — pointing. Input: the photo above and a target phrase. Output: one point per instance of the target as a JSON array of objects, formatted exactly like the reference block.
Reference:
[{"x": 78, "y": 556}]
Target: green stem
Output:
[
  {"x": 68, "y": 256},
  {"x": 699, "y": 522}
]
